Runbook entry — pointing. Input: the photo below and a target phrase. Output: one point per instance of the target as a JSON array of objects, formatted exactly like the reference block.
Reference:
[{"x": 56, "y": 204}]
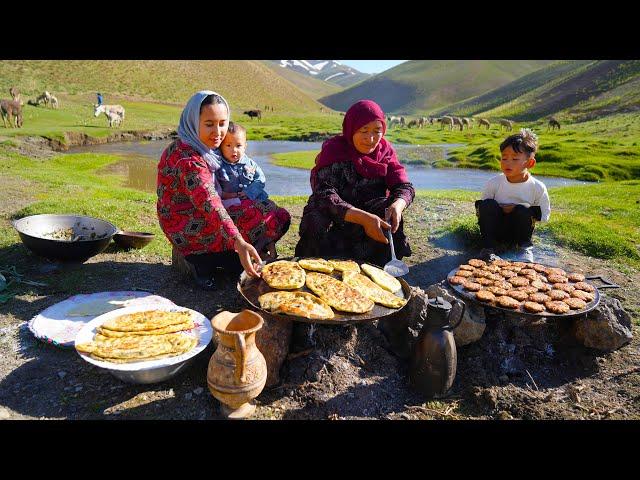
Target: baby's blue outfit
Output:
[{"x": 245, "y": 175}]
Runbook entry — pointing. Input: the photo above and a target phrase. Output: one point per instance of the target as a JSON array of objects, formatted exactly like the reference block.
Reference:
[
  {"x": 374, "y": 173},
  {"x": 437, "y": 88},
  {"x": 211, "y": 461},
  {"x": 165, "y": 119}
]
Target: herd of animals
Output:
[
  {"x": 458, "y": 122},
  {"x": 12, "y": 112}
]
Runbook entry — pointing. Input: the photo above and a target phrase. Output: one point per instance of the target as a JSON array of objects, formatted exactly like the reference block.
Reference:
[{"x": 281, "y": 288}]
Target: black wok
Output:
[{"x": 90, "y": 235}]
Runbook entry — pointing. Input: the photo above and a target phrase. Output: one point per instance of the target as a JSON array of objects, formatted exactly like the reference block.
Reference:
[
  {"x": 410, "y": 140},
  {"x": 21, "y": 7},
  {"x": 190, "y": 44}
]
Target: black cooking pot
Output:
[{"x": 83, "y": 236}]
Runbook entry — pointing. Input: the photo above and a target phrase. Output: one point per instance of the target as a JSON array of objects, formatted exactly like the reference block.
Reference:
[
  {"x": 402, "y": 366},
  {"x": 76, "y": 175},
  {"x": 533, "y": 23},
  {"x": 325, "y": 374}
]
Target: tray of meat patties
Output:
[
  {"x": 329, "y": 291},
  {"x": 530, "y": 289}
]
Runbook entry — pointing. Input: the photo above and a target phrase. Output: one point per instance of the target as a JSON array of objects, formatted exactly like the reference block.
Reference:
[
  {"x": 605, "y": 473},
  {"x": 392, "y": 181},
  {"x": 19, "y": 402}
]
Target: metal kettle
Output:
[{"x": 433, "y": 361}]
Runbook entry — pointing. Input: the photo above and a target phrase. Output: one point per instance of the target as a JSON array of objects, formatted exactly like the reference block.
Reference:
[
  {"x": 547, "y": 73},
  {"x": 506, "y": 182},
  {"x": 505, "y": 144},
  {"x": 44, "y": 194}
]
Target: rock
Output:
[
  {"x": 473, "y": 323},
  {"x": 607, "y": 328},
  {"x": 504, "y": 415},
  {"x": 273, "y": 341}
]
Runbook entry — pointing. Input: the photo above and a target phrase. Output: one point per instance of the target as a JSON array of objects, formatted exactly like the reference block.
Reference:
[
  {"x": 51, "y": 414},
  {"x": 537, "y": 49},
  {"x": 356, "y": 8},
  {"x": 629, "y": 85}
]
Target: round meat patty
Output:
[
  {"x": 558, "y": 295},
  {"x": 518, "y": 281},
  {"x": 538, "y": 268},
  {"x": 508, "y": 302},
  {"x": 557, "y": 307},
  {"x": 526, "y": 271},
  {"x": 585, "y": 287},
  {"x": 554, "y": 278},
  {"x": 479, "y": 273},
  {"x": 540, "y": 285},
  {"x": 518, "y": 295},
  {"x": 491, "y": 268},
  {"x": 533, "y": 307},
  {"x": 466, "y": 267},
  {"x": 576, "y": 277},
  {"x": 586, "y": 296},
  {"x": 508, "y": 273},
  {"x": 472, "y": 286},
  {"x": 528, "y": 289},
  {"x": 575, "y": 303},
  {"x": 487, "y": 296},
  {"x": 555, "y": 271},
  {"x": 464, "y": 273},
  {"x": 485, "y": 282},
  {"x": 477, "y": 262},
  {"x": 539, "y": 297},
  {"x": 521, "y": 264},
  {"x": 565, "y": 287},
  {"x": 455, "y": 280},
  {"x": 502, "y": 284},
  {"x": 501, "y": 263},
  {"x": 497, "y": 290}
]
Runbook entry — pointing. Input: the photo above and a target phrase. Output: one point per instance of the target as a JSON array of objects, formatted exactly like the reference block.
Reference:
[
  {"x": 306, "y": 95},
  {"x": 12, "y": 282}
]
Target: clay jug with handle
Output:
[{"x": 237, "y": 370}]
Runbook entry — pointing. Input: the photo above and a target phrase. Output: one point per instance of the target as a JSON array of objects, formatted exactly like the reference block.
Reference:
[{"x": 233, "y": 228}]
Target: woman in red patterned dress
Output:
[{"x": 189, "y": 206}]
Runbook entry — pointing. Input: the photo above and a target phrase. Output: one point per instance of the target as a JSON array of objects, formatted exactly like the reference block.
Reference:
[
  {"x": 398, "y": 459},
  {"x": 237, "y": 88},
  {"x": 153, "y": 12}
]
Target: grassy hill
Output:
[
  {"x": 424, "y": 85},
  {"x": 244, "y": 83},
  {"x": 574, "y": 91},
  {"x": 311, "y": 86},
  {"x": 544, "y": 76}
]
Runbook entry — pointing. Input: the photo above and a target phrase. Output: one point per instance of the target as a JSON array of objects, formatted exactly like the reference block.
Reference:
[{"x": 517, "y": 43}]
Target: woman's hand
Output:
[
  {"x": 247, "y": 252},
  {"x": 373, "y": 225},
  {"x": 394, "y": 213}
]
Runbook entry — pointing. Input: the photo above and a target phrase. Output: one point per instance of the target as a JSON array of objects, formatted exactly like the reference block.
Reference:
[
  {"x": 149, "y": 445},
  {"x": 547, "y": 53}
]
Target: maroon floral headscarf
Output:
[{"x": 382, "y": 162}]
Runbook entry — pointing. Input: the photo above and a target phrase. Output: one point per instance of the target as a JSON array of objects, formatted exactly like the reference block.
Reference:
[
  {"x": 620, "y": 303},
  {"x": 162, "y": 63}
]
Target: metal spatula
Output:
[{"x": 395, "y": 267}]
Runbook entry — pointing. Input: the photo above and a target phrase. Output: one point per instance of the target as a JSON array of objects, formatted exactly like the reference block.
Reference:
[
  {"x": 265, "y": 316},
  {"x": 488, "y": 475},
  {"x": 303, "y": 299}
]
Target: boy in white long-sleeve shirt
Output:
[{"x": 513, "y": 201}]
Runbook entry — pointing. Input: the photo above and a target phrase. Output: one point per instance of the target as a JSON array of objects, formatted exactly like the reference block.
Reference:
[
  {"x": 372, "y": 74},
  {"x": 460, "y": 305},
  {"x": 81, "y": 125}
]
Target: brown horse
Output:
[
  {"x": 553, "y": 123},
  {"x": 485, "y": 122}
]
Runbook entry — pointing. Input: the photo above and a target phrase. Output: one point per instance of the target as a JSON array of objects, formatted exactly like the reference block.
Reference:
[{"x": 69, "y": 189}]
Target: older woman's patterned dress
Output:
[
  {"x": 191, "y": 213},
  {"x": 323, "y": 231}
]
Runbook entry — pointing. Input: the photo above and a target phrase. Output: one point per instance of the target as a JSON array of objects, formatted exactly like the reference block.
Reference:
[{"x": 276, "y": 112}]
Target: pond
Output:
[{"x": 140, "y": 161}]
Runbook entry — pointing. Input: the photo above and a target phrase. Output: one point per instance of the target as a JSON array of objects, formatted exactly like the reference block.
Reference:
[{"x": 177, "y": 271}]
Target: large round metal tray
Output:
[
  {"x": 521, "y": 312},
  {"x": 251, "y": 288}
]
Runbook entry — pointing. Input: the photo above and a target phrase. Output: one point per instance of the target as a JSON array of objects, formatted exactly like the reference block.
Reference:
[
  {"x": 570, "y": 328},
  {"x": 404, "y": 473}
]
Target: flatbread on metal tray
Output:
[
  {"x": 316, "y": 265},
  {"x": 345, "y": 265},
  {"x": 382, "y": 278},
  {"x": 338, "y": 294},
  {"x": 283, "y": 275},
  {"x": 298, "y": 304},
  {"x": 372, "y": 290}
]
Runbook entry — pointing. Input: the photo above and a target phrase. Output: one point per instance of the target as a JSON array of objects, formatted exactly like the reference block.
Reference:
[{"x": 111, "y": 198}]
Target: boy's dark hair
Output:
[
  {"x": 525, "y": 141},
  {"x": 236, "y": 128},
  {"x": 211, "y": 100}
]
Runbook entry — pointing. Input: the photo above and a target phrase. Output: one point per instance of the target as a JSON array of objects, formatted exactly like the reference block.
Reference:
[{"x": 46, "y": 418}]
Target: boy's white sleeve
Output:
[
  {"x": 489, "y": 190},
  {"x": 545, "y": 204}
]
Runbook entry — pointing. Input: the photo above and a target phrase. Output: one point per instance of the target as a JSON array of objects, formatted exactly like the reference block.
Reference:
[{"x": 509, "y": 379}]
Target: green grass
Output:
[{"x": 303, "y": 160}]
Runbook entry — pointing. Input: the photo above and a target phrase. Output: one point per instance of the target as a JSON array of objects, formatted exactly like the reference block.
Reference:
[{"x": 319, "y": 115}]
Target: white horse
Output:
[
  {"x": 115, "y": 113},
  {"x": 53, "y": 101}
]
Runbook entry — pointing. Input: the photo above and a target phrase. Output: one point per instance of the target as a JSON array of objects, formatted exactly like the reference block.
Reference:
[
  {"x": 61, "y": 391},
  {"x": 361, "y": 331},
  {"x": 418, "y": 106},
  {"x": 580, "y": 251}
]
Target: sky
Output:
[{"x": 371, "y": 66}]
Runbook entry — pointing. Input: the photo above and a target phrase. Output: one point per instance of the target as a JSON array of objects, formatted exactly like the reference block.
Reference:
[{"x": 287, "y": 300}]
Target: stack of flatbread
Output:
[
  {"x": 141, "y": 336},
  {"x": 355, "y": 293}
]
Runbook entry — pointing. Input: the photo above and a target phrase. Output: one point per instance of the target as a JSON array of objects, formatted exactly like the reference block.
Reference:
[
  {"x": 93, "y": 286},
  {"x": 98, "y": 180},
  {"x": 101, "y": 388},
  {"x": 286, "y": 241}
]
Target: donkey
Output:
[
  {"x": 115, "y": 113},
  {"x": 553, "y": 123},
  {"x": 11, "y": 110},
  {"x": 485, "y": 122},
  {"x": 506, "y": 123}
]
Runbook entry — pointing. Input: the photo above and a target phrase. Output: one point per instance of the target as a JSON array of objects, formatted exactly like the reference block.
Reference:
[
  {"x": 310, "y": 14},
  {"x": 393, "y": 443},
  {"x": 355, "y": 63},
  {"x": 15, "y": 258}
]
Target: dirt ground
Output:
[{"x": 332, "y": 372}]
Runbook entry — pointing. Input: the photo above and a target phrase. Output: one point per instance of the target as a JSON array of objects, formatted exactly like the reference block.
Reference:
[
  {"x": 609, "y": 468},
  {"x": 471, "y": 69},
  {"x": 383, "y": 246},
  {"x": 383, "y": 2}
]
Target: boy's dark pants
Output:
[{"x": 509, "y": 228}]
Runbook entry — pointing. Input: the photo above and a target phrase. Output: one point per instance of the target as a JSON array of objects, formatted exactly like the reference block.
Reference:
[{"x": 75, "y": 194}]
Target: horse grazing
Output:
[
  {"x": 465, "y": 121},
  {"x": 553, "y": 123},
  {"x": 392, "y": 120},
  {"x": 114, "y": 113},
  {"x": 412, "y": 123},
  {"x": 53, "y": 101},
  {"x": 485, "y": 122},
  {"x": 254, "y": 113},
  {"x": 422, "y": 121},
  {"x": 11, "y": 110},
  {"x": 458, "y": 121},
  {"x": 506, "y": 123},
  {"x": 446, "y": 120}
]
